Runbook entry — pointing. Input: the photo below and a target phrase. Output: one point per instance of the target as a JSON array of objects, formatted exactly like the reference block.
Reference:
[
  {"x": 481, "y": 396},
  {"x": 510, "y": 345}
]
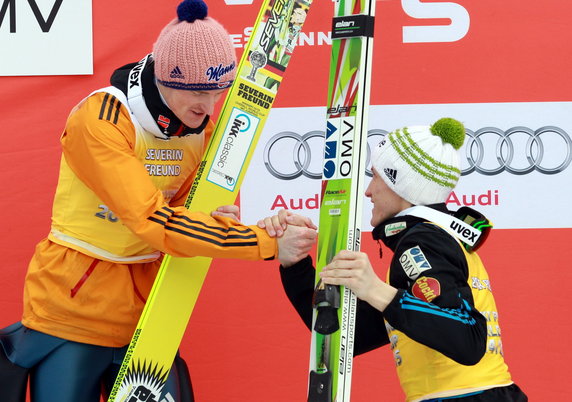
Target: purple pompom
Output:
[{"x": 191, "y": 10}]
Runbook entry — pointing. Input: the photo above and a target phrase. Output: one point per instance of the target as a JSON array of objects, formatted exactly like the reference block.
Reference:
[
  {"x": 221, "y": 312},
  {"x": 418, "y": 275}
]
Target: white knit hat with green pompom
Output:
[{"x": 421, "y": 163}]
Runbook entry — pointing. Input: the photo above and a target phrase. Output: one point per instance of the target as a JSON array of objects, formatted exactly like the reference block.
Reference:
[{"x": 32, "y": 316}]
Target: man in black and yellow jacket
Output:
[{"x": 436, "y": 308}]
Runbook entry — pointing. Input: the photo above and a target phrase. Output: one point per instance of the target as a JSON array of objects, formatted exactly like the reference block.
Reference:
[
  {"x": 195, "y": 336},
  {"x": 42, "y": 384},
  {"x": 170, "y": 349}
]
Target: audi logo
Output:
[
  {"x": 534, "y": 150},
  {"x": 532, "y": 146}
]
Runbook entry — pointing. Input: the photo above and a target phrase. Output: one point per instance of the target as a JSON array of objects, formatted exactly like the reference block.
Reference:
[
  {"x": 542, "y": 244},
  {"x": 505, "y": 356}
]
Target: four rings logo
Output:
[
  {"x": 302, "y": 154},
  {"x": 531, "y": 156},
  {"x": 488, "y": 151}
]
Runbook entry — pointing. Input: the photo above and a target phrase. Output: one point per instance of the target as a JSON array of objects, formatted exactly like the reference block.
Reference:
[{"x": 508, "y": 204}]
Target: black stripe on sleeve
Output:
[
  {"x": 213, "y": 228},
  {"x": 160, "y": 222},
  {"x": 209, "y": 240},
  {"x": 222, "y": 234},
  {"x": 103, "y": 106},
  {"x": 161, "y": 214},
  {"x": 117, "y": 109},
  {"x": 199, "y": 230},
  {"x": 110, "y": 108}
]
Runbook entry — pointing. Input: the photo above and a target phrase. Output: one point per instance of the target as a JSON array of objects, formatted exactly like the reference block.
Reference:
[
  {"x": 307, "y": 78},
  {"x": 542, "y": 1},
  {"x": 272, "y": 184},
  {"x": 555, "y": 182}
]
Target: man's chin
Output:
[{"x": 194, "y": 122}]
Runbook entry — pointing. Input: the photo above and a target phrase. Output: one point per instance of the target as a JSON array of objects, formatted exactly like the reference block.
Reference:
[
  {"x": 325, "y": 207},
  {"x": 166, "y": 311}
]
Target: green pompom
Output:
[{"x": 450, "y": 130}]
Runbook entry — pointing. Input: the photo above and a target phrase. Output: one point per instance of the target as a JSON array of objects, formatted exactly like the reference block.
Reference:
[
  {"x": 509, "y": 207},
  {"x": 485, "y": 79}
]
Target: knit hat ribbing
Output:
[
  {"x": 421, "y": 163},
  {"x": 194, "y": 51}
]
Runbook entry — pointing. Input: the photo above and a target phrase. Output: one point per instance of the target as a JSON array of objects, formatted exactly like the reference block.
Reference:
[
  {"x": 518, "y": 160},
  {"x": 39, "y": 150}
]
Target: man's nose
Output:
[
  {"x": 210, "y": 103},
  {"x": 367, "y": 192}
]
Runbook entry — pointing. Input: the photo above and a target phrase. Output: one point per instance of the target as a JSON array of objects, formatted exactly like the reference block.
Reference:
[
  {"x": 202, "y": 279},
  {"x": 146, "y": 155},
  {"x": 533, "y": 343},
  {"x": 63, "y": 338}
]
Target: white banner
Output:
[
  {"x": 515, "y": 161},
  {"x": 45, "y": 37}
]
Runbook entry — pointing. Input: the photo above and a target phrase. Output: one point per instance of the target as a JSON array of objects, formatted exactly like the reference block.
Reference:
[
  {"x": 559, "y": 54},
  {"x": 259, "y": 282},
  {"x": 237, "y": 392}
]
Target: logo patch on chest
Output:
[
  {"x": 413, "y": 262},
  {"x": 394, "y": 228}
]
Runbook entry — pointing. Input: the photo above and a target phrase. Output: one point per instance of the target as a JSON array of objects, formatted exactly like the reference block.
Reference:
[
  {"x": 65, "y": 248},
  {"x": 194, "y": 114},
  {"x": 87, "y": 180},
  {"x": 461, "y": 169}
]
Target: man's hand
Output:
[
  {"x": 296, "y": 243},
  {"x": 230, "y": 211},
  {"x": 296, "y": 235},
  {"x": 276, "y": 225},
  {"x": 353, "y": 270}
]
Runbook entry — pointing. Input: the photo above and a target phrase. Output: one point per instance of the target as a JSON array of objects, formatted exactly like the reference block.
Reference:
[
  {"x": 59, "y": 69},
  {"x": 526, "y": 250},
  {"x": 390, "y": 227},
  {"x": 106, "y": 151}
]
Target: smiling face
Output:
[
  {"x": 386, "y": 202},
  {"x": 191, "y": 107}
]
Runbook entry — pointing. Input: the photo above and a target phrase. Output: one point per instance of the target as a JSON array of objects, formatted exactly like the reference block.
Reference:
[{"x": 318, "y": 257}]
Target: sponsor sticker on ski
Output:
[
  {"x": 339, "y": 146},
  {"x": 233, "y": 149}
]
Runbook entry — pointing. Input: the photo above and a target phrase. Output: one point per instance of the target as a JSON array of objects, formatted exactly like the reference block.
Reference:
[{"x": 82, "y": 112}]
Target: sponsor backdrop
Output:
[
  {"x": 500, "y": 67},
  {"x": 511, "y": 148}
]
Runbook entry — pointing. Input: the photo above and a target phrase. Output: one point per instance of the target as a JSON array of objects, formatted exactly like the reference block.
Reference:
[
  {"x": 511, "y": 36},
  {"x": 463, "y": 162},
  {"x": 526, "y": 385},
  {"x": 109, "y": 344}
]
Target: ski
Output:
[
  {"x": 247, "y": 105},
  {"x": 331, "y": 355}
]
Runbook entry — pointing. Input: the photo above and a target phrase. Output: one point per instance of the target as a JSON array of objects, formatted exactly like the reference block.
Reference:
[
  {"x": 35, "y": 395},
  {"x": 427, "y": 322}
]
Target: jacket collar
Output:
[{"x": 392, "y": 230}]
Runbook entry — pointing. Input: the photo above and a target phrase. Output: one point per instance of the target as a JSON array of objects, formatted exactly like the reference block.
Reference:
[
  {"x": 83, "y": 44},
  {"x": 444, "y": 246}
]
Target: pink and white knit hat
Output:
[{"x": 193, "y": 51}]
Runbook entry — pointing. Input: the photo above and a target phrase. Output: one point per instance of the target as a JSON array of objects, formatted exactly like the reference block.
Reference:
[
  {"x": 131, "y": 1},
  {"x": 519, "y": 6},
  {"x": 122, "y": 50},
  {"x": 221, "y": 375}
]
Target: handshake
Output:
[{"x": 296, "y": 234}]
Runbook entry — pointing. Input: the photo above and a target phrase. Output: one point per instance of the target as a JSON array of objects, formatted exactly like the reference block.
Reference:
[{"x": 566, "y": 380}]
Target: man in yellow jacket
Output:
[{"x": 130, "y": 152}]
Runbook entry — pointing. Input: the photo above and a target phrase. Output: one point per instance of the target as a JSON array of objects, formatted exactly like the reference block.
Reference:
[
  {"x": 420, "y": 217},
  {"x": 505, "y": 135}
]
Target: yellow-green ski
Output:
[{"x": 343, "y": 178}]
